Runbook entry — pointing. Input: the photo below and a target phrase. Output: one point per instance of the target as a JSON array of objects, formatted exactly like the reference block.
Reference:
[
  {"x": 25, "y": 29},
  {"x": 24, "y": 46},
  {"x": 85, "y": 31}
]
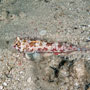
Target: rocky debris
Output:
[
  {"x": 43, "y": 32},
  {"x": 53, "y": 71},
  {"x": 78, "y": 75},
  {"x": 61, "y": 70},
  {"x": 88, "y": 39}
]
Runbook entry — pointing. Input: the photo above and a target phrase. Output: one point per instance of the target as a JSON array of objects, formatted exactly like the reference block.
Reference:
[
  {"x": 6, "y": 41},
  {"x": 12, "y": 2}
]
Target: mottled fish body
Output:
[{"x": 39, "y": 46}]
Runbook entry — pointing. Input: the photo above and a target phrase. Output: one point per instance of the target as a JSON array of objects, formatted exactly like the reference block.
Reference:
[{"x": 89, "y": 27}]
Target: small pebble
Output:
[
  {"x": 89, "y": 58},
  {"x": 4, "y": 84},
  {"x": 1, "y": 87},
  {"x": 88, "y": 25},
  {"x": 22, "y": 14},
  {"x": 33, "y": 56},
  {"x": 29, "y": 80},
  {"x": 36, "y": 56},
  {"x": 76, "y": 84},
  {"x": 88, "y": 39},
  {"x": 3, "y": 15},
  {"x": 28, "y": 55},
  {"x": 2, "y": 18},
  {"x": 21, "y": 72},
  {"x": 12, "y": 16},
  {"x": 43, "y": 32}
]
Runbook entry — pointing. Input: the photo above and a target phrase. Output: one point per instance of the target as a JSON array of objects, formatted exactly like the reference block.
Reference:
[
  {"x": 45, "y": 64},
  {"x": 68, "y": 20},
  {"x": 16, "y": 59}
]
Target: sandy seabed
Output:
[{"x": 51, "y": 20}]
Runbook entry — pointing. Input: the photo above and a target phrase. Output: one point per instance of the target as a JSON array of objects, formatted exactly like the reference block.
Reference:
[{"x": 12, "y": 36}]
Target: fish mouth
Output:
[{"x": 14, "y": 46}]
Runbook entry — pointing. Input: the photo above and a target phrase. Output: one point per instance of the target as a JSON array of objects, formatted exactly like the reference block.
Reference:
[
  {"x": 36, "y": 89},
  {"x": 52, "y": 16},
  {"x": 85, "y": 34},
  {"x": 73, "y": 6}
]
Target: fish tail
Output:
[{"x": 83, "y": 49}]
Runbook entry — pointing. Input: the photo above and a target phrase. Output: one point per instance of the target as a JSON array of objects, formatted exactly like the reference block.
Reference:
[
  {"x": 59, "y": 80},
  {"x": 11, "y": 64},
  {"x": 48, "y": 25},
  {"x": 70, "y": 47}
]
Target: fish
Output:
[{"x": 40, "y": 46}]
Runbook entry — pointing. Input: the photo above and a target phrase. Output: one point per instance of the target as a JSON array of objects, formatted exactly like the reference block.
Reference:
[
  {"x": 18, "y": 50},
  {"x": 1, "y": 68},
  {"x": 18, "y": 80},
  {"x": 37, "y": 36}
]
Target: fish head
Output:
[{"x": 17, "y": 43}]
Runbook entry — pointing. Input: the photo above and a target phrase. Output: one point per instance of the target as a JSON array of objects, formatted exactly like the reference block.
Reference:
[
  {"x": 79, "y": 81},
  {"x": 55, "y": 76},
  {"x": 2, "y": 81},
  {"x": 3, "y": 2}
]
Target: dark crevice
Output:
[
  {"x": 56, "y": 71},
  {"x": 87, "y": 86}
]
